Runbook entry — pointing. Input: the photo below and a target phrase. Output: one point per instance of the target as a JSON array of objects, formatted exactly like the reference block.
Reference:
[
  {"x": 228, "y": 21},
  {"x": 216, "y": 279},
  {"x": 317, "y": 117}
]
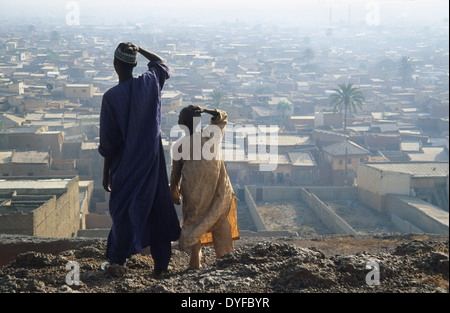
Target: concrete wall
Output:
[
  {"x": 421, "y": 214},
  {"x": 325, "y": 214},
  {"x": 404, "y": 226},
  {"x": 252, "y": 208},
  {"x": 374, "y": 185},
  {"x": 280, "y": 193},
  {"x": 394, "y": 182},
  {"x": 322, "y": 211},
  {"x": 334, "y": 193},
  {"x": 372, "y": 200}
]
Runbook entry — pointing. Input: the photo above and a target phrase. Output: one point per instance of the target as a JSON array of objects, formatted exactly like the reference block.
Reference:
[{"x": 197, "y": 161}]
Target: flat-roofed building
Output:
[
  {"x": 37, "y": 138},
  {"x": 424, "y": 180},
  {"x": 24, "y": 163},
  {"x": 79, "y": 91},
  {"x": 48, "y": 207}
]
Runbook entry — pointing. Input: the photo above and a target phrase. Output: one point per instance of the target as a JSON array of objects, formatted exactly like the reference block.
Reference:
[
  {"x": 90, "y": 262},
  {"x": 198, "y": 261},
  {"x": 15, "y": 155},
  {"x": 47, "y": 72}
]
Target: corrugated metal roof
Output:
[
  {"x": 430, "y": 154},
  {"x": 345, "y": 148},
  {"x": 301, "y": 159},
  {"x": 418, "y": 169},
  {"x": 292, "y": 140},
  {"x": 5, "y": 156},
  {"x": 34, "y": 116},
  {"x": 407, "y": 146}
]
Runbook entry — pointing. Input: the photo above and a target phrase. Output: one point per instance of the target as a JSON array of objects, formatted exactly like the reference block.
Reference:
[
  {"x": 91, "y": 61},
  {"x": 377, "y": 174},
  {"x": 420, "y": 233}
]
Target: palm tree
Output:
[
  {"x": 217, "y": 97},
  {"x": 347, "y": 97},
  {"x": 405, "y": 70}
]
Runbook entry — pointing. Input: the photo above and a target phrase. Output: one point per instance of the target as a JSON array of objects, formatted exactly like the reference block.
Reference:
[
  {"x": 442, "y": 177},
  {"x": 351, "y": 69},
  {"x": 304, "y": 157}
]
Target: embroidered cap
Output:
[{"x": 125, "y": 52}]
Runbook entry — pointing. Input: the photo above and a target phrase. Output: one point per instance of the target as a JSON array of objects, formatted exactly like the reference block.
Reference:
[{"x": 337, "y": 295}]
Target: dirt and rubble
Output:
[
  {"x": 387, "y": 263},
  {"x": 296, "y": 217}
]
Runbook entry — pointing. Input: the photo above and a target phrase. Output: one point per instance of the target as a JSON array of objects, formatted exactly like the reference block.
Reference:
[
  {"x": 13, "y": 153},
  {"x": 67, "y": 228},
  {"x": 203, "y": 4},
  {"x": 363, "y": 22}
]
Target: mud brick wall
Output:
[{"x": 21, "y": 223}]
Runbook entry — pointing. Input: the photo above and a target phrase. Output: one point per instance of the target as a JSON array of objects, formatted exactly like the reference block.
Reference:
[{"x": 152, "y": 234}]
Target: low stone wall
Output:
[{"x": 421, "y": 214}]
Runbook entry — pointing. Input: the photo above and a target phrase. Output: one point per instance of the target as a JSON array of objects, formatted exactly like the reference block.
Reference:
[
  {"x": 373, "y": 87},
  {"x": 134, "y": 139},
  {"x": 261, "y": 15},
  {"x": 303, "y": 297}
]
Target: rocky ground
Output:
[{"x": 316, "y": 264}]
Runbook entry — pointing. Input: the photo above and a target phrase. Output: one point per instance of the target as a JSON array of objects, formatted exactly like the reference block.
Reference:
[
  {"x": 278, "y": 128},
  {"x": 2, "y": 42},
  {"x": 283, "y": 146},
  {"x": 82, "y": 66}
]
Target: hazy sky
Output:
[{"x": 252, "y": 11}]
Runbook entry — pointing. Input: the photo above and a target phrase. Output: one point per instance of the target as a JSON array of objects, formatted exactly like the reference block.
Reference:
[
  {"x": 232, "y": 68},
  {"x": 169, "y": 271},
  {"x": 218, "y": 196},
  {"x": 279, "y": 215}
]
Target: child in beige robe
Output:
[{"x": 207, "y": 197}]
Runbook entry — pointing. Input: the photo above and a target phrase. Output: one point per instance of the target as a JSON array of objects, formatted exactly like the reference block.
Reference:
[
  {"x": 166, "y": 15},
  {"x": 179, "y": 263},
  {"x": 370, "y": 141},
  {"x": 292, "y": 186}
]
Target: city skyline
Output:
[{"x": 301, "y": 13}]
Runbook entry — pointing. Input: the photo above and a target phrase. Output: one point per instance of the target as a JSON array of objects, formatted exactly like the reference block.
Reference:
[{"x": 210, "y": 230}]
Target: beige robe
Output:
[{"x": 208, "y": 199}]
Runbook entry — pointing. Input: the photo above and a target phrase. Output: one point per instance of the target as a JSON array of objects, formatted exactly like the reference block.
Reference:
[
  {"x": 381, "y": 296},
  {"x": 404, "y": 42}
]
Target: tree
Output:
[
  {"x": 55, "y": 36},
  {"x": 308, "y": 55},
  {"x": 405, "y": 70},
  {"x": 264, "y": 90},
  {"x": 217, "y": 97},
  {"x": 283, "y": 107},
  {"x": 348, "y": 98},
  {"x": 53, "y": 56}
]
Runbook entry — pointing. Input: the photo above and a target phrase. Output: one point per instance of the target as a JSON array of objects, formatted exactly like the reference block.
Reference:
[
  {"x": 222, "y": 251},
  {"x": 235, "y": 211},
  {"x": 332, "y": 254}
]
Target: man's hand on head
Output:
[{"x": 129, "y": 45}]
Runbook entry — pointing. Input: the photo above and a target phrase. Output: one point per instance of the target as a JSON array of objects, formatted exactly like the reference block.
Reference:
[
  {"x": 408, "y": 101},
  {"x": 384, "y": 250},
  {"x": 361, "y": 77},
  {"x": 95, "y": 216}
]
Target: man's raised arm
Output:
[{"x": 150, "y": 55}]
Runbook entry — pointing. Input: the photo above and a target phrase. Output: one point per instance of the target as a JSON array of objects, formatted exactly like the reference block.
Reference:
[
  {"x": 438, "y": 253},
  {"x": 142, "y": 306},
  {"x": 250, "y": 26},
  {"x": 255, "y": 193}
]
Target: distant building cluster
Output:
[{"x": 52, "y": 83}]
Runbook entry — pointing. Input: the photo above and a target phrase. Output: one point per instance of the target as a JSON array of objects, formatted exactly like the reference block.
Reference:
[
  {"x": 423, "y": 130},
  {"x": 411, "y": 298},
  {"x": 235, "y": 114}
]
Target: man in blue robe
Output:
[{"x": 140, "y": 204}]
